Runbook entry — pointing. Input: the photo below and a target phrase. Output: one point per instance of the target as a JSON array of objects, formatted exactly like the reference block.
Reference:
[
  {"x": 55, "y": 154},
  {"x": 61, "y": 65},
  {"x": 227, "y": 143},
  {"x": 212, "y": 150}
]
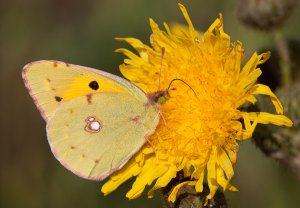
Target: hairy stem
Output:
[{"x": 284, "y": 58}]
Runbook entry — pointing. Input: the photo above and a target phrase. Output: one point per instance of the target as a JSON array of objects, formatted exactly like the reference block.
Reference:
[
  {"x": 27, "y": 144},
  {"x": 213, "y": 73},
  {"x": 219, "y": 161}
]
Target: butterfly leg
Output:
[
  {"x": 151, "y": 144},
  {"x": 170, "y": 128}
]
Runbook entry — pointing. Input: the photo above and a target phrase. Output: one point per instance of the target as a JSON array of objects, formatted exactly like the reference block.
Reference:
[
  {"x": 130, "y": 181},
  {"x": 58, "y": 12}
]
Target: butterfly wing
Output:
[
  {"x": 52, "y": 83},
  {"x": 96, "y": 134}
]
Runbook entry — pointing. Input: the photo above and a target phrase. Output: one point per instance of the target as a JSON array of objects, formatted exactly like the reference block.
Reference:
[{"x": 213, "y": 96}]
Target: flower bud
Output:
[{"x": 264, "y": 14}]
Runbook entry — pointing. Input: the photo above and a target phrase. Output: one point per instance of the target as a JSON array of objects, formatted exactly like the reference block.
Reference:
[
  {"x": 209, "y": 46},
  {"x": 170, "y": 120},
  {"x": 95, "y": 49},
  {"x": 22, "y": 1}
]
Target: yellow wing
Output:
[
  {"x": 52, "y": 83},
  {"x": 96, "y": 134}
]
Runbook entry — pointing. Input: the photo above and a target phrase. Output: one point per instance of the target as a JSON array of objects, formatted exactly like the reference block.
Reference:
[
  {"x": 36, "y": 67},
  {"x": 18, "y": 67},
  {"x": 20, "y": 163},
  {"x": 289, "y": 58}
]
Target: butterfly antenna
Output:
[
  {"x": 182, "y": 82},
  {"x": 161, "y": 60}
]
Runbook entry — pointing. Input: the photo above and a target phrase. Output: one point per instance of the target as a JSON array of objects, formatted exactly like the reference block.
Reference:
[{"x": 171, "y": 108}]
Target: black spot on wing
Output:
[
  {"x": 94, "y": 85},
  {"x": 58, "y": 99}
]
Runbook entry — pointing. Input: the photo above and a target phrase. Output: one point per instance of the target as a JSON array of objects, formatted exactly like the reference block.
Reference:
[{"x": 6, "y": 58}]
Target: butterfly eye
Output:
[{"x": 94, "y": 85}]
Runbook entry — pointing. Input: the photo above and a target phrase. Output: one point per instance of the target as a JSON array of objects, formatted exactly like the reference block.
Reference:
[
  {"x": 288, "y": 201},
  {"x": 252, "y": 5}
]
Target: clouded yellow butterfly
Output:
[{"x": 96, "y": 121}]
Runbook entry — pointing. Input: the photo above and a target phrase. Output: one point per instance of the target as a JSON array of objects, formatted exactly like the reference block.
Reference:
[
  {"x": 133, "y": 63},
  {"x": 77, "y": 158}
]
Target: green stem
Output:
[{"x": 284, "y": 58}]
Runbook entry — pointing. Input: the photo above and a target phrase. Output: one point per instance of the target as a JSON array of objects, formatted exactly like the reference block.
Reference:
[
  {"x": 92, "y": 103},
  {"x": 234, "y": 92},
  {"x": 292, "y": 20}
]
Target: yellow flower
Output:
[{"x": 202, "y": 121}]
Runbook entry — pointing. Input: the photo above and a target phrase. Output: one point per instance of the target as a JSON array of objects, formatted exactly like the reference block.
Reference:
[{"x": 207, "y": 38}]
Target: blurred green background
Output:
[{"x": 82, "y": 32}]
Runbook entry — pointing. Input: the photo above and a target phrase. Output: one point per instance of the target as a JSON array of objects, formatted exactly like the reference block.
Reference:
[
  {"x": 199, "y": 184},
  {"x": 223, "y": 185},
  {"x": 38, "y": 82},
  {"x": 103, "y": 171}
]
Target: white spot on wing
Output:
[{"x": 93, "y": 125}]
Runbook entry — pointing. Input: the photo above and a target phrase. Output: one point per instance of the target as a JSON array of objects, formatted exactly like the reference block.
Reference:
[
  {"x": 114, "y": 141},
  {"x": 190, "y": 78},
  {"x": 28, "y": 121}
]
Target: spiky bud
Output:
[{"x": 265, "y": 14}]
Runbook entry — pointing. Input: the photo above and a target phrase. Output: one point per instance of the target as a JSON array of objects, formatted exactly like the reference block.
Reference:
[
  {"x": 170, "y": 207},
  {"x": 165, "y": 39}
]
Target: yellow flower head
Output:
[{"x": 202, "y": 120}]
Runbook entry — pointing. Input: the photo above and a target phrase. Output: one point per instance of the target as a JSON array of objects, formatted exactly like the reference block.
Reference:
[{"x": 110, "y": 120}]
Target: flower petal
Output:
[
  {"x": 266, "y": 118},
  {"x": 225, "y": 163},
  {"x": 163, "y": 180},
  {"x": 212, "y": 173},
  {"x": 150, "y": 171},
  {"x": 173, "y": 195},
  {"x": 265, "y": 90},
  {"x": 192, "y": 30},
  {"x": 129, "y": 170},
  {"x": 138, "y": 45}
]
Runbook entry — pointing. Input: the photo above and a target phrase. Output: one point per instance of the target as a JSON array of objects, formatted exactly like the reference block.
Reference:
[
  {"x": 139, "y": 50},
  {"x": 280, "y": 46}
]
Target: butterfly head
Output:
[{"x": 159, "y": 97}]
